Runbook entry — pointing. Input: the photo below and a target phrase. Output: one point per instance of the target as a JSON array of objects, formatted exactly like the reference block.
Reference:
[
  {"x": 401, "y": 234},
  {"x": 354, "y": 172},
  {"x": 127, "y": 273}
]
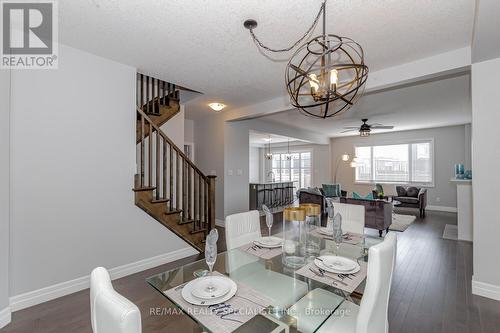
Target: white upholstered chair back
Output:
[
  {"x": 110, "y": 312},
  {"x": 372, "y": 316},
  {"x": 242, "y": 228},
  {"x": 353, "y": 217}
]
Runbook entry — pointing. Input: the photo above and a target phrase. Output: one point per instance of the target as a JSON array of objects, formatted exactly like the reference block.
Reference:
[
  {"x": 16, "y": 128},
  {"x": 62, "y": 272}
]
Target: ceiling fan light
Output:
[{"x": 364, "y": 133}]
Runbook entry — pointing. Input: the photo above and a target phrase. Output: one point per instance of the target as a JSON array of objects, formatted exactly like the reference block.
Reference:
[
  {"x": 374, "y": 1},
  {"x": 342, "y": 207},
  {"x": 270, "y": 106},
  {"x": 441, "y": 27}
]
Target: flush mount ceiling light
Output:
[
  {"x": 326, "y": 75},
  {"x": 217, "y": 106}
]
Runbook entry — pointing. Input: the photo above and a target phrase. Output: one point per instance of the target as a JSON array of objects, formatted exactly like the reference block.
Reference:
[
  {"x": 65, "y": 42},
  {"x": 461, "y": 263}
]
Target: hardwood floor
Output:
[{"x": 431, "y": 291}]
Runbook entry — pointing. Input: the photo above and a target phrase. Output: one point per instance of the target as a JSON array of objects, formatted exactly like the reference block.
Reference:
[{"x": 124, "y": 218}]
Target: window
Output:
[
  {"x": 297, "y": 169},
  {"x": 404, "y": 163}
]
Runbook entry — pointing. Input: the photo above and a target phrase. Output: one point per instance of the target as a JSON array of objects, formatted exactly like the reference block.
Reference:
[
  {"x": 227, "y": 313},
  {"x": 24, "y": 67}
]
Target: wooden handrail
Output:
[
  {"x": 171, "y": 143},
  {"x": 164, "y": 167}
]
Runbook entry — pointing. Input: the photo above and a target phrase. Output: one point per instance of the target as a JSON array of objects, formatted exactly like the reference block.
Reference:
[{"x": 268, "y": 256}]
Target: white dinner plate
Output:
[
  {"x": 188, "y": 296},
  {"x": 269, "y": 242},
  {"x": 220, "y": 285},
  {"x": 337, "y": 264}
]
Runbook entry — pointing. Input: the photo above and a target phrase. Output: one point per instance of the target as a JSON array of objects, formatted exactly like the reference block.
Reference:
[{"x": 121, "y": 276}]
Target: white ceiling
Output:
[
  {"x": 201, "y": 44},
  {"x": 260, "y": 139},
  {"x": 433, "y": 104}
]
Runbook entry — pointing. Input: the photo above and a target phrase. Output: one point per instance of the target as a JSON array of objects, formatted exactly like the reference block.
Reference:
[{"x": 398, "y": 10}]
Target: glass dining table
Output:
[{"x": 285, "y": 289}]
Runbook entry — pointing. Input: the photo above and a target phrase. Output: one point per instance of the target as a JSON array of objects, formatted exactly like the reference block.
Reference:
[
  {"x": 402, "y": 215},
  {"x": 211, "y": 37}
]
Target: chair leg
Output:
[{"x": 380, "y": 233}]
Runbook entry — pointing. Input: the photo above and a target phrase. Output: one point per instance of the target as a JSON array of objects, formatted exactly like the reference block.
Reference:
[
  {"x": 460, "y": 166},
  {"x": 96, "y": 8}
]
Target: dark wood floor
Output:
[{"x": 431, "y": 292}]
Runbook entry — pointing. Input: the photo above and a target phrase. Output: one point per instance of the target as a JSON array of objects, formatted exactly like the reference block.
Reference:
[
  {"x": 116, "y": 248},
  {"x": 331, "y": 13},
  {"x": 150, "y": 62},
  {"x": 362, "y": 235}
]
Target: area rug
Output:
[
  {"x": 401, "y": 222},
  {"x": 450, "y": 232}
]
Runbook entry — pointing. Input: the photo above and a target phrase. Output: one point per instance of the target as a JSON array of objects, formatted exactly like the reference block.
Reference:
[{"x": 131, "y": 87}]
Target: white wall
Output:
[
  {"x": 4, "y": 194},
  {"x": 73, "y": 166},
  {"x": 188, "y": 130},
  {"x": 254, "y": 165},
  {"x": 449, "y": 149},
  {"x": 209, "y": 154},
  {"x": 174, "y": 128},
  {"x": 486, "y": 177}
]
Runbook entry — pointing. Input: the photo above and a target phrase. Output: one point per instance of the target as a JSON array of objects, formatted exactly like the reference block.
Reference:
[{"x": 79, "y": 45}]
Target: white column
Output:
[{"x": 486, "y": 178}]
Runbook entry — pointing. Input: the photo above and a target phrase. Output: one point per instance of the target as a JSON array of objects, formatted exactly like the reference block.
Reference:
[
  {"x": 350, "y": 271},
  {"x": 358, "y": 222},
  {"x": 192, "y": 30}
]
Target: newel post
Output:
[{"x": 211, "y": 202}]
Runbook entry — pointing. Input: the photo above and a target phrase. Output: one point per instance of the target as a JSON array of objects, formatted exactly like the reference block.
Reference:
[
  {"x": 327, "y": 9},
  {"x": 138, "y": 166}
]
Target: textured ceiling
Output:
[
  {"x": 260, "y": 139},
  {"x": 434, "y": 104},
  {"x": 201, "y": 44}
]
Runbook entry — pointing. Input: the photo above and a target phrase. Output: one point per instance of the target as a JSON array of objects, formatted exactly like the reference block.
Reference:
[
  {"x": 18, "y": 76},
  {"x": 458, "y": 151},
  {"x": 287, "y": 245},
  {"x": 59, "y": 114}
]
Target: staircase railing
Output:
[{"x": 163, "y": 167}]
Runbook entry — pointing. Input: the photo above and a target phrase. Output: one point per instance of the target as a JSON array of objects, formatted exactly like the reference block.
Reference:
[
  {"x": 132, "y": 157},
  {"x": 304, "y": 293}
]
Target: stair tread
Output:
[
  {"x": 186, "y": 221},
  {"x": 174, "y": 211},
  {"x": 144, "y": 188},
  {"x": 160, "y": 200}
]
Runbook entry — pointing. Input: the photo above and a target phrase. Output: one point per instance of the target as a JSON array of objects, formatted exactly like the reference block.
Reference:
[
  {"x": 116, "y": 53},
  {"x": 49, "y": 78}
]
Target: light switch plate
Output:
[
  {"x": 239, "y": 172},
  {"x": 230, "y": 172}
]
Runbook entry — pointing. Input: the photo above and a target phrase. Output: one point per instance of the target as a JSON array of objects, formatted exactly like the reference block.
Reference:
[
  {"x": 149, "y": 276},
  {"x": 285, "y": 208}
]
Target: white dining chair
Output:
[
  {"x": 371, "y": 314},
  {"x": 110, "y": 312},
  {"x": 242, "y": 228},
  {"x": 353, "y": 217}
]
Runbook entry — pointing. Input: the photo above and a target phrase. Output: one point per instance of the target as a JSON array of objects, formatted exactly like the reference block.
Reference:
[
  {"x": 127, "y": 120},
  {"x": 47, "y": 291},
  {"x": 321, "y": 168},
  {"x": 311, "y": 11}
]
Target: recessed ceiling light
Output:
[
  {"x": 267, "y": 139},
  {"x": 217, "y": 106}
]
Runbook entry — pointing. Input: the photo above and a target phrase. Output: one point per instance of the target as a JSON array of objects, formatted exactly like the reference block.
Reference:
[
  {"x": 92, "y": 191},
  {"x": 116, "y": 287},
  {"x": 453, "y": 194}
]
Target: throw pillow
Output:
[
  {"x": 356, "y": 195},
  {"x": 412, "y": 192},
  {"x": 331, "y": 190},
  {"x": 401, "y": 191}
]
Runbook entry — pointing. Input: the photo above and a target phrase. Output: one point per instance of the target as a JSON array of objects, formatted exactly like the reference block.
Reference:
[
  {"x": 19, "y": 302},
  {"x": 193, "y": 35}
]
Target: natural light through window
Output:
[
  {"x": 405, "y": 163},
  {"x": 297, "y": 169}
]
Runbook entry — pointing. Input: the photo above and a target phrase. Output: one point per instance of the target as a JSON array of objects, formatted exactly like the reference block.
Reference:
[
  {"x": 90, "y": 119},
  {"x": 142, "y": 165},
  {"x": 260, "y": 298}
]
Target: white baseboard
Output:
[
  {"x": 486, "y": 290},
  {"x": 442, "y": 209},
  {"x": 220, "y": 223},
  {"x": 5, "y": 317},
  {"x": 46, "y": 294}
]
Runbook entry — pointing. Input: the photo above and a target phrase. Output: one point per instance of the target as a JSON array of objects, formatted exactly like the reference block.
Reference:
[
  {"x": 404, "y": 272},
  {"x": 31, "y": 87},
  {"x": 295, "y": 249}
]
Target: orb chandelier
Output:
[{"x": 326, "y": 75}]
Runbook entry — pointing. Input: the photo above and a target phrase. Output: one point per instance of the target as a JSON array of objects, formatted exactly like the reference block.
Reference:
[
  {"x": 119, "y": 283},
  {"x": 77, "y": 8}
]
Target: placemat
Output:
[
  {"x": 349, "y": 238},
  {"x": 348, "y": 285},
  {"x": 227, "y": 316},
  {"x": 261, "y": 252}
]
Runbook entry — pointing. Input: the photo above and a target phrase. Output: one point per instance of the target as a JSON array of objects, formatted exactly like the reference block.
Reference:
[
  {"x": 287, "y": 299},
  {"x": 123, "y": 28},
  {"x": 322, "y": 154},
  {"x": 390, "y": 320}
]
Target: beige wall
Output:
[{"x": 449, "y": 148}]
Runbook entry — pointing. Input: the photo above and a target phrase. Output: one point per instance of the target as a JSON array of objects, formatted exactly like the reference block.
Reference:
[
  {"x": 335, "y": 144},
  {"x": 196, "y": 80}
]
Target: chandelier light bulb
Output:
[
  {"x": 314, "y": 83},
  {"x": 334, "y": 79}
]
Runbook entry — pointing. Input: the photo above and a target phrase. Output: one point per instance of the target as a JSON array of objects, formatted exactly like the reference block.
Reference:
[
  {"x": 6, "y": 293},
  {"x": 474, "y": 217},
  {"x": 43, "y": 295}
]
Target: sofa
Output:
[
  {"x": 412, "y": 197},
  {"x": 378, "y": 213},
  {"x": 314, "y": 196}
]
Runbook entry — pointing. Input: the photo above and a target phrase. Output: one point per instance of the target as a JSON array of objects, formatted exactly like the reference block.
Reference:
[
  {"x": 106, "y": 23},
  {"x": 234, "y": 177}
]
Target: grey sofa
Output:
[
  {"x": 315, "y": 196},
  {"x": 412, "y": 197}
]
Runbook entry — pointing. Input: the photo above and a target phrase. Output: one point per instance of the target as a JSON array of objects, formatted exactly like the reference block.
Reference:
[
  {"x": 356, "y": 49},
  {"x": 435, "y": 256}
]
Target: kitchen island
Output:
[{"x": 271, "y": 194}]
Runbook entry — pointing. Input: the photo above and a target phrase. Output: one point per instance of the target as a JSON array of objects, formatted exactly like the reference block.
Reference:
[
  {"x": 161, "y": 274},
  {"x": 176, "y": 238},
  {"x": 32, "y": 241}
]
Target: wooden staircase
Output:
[{"x": 169, "y": 186}]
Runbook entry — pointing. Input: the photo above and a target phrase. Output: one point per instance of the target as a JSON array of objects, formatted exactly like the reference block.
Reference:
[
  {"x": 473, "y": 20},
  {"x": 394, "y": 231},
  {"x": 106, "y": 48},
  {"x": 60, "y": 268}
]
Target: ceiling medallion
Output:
[{"x": 326, "y": 75}]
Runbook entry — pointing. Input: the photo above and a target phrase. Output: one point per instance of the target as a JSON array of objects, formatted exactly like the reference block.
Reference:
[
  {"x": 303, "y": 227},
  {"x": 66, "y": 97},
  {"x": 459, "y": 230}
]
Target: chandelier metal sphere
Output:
[{"x": 326, "y": 76}]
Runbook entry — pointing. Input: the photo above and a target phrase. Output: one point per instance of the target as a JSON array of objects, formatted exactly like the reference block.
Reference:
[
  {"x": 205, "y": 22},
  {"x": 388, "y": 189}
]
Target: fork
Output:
[
  {"x": 323, "y": 272},
  {"x": 343, "y": 276}
]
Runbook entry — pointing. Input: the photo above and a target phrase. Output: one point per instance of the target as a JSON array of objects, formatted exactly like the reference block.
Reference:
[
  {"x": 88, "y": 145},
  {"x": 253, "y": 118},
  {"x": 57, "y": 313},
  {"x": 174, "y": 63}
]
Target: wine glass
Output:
[
  {"x": 211, "y": 254},
  {"x": 329, "y": 209},
  {"x": 269, "y": 218},
  {"x": 337, "y": 231}
]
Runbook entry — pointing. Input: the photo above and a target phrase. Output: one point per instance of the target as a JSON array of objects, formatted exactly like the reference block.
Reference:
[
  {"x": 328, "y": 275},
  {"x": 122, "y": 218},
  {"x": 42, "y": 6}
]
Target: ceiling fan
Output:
[{"x": 365, "y": 129}]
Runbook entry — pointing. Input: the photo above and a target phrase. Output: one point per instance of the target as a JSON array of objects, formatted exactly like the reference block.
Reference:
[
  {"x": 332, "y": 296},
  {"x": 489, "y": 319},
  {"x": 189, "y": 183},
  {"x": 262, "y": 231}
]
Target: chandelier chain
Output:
[{"x": 311, "y": 28}]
